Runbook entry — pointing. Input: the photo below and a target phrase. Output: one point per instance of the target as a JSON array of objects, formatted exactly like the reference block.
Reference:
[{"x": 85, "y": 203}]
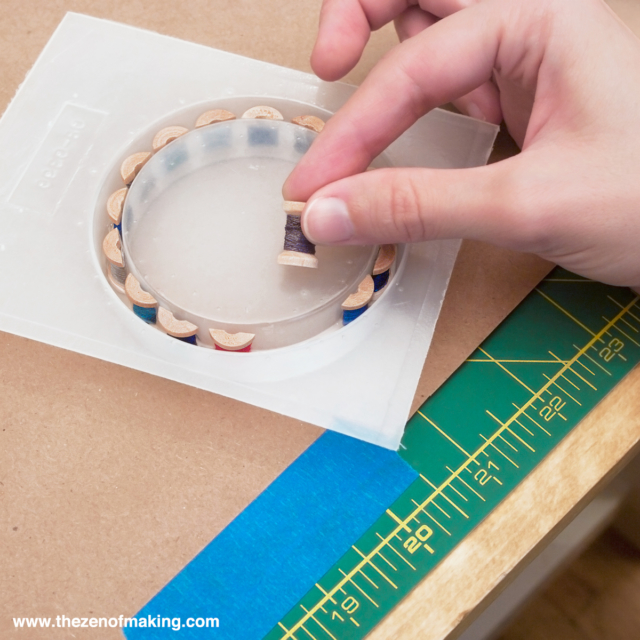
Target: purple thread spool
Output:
[{"x": 298, "y": 251}]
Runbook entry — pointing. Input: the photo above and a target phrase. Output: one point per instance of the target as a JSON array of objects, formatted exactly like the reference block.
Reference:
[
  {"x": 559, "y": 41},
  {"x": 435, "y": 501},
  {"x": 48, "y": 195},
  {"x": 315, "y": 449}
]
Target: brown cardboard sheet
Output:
[{"x": 111, "y": 480}]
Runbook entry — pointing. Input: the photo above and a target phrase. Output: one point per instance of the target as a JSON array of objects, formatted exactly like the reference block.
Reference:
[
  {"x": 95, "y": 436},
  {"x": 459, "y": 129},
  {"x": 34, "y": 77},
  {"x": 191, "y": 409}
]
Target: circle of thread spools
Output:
[{"x": 298, "y": 250}]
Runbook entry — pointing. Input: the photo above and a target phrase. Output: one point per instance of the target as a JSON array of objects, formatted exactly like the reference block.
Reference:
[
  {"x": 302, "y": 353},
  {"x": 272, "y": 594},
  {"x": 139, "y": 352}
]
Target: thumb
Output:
[{"x": 416, "y": 204}]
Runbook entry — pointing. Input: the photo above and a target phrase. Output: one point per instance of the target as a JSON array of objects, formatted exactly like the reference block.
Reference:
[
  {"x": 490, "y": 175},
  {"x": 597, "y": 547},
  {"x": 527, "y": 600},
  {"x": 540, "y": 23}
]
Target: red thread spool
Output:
[{"x": 223, "y": 341}]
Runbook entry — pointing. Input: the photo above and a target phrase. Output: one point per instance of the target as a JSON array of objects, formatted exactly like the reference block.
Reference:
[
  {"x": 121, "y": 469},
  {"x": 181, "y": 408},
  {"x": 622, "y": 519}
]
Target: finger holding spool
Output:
[
  {"x": 112, "y": 249},
  {"x": 132, "y": 165},
  {"x": 263, "y": 113},
  {"x": 213, "y": 116},
  {"x": 357, "y": 303},
  {"x": 298, "y": 251},
  {"x": 309, "y": 122},
  {"x": 180, "y": 329},
  {"x": 115, "y": 206},
  {"x": 167, "y": 135},
  {"x": 224, "y": 341},
  {"x": 382, "y": 267},
  {"x": 145, "y": 306}
]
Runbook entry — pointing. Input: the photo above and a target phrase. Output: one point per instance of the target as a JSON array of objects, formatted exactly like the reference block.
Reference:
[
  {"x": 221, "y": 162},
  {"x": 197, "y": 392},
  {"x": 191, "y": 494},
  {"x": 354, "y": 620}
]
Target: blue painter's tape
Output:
[{"x": 257, "y": 568}]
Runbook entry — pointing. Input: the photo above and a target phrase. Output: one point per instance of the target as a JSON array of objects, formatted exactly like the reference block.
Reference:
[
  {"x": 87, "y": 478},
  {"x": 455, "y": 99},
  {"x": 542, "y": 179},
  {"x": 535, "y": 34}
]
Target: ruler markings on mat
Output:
[{"x": 520, "y": 393}]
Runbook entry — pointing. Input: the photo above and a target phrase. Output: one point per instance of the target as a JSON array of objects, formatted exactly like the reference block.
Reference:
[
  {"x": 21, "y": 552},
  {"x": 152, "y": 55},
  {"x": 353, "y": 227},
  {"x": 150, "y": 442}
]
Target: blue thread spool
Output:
[
  {"x": 147, "y": 314},
  {"x": 144, "y": 304},
  {"x": 174, "y": 159},
  {"x": 217, "y": 138},
  {"x": 380, "y": 281},
  {"x": 183, "y": 330},
  {"x": 298, "y": 251},
  {"x": 382, "y": 267},
  {"x": 262, "y": 135},
  {"x": 357, "y": 303},
  {"x": 301, "y": 145},
  {"x": 350, "y": 316}
]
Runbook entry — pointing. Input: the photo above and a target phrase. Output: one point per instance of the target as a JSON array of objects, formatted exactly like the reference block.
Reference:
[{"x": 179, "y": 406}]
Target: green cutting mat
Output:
[{"x": 552, "y": 360}]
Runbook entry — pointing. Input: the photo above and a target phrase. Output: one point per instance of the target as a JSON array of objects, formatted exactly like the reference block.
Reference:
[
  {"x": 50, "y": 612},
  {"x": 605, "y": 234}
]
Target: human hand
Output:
[{"x": 565, "y": 75}]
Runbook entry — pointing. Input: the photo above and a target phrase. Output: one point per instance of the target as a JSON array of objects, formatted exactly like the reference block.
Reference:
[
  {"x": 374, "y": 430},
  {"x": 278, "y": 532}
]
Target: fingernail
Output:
[
  {"x": 475, "y": 112},
  {"x": 327, "y": 220}
]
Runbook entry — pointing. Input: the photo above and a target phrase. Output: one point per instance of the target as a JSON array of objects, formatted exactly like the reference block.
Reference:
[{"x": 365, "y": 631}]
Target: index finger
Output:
[
  {"x": 444, "y": 62},
  {"x": 345, "y": 26}
]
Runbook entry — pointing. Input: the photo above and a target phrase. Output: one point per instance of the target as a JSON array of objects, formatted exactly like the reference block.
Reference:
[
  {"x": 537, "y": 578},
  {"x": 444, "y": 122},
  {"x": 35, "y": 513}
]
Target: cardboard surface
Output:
[{"x": 112, "y": 479}]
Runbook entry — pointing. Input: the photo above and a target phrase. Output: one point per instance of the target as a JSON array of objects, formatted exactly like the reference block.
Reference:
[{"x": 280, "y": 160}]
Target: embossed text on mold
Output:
[{"x": 57, "y": 159}]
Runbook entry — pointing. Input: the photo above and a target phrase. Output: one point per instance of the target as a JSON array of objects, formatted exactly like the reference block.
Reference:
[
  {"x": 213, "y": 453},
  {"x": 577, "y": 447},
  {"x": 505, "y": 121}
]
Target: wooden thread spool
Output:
[
  {"x": 309, "y": 122},
  {"x": 132, "y": 165},
  {"x": 167, "y": 135},
  {"x": 382, "y": 267},
  {"x": 145, "y": 306},
  {"x": 213, "y": 116},
  {"x": 224, "y": 341},
  {"x": 357, "y": 303},
  {"x": 115, "y": 206},
  {"x": 112, "y": 249},
  {"x": 263, "y": 113},
  {"x": 180, "y": 329},
  {"x": 298, "y": 251}
]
